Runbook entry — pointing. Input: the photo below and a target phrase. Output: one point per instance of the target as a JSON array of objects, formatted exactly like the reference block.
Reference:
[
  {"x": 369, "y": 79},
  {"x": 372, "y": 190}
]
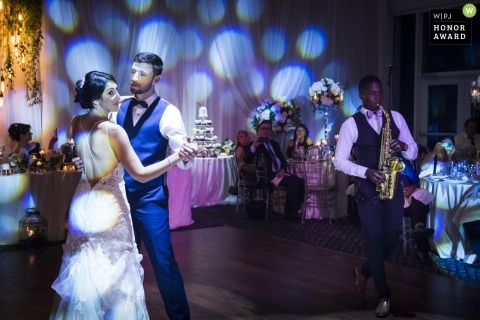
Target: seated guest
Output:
[
  {"x": 416, "y": 206},
  {"x": 300, "y": 140},
  {"x": 469, "y": 137},
  {"x": 276, "y": 166},
  {"x": 21, "y": 134},
  {"x": 242, "y": 152},
  {"x": 436, "y": 161}
]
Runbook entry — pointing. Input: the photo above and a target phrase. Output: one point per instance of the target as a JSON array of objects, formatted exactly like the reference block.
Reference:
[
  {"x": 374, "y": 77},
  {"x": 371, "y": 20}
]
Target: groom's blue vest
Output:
[{"x": 145, "y": 138}]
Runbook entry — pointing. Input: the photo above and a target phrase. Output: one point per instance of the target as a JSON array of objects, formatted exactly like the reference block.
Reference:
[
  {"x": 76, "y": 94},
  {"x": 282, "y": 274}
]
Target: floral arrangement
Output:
[
  {"x": 20, "y": 161},
  {"x": 289, "y": 116},
  {"x": 53, "y": 159},
  {"x": 226, "y": 148},
  {"x": 267, "y": 110},
  {"x": 326, "y": 92}
]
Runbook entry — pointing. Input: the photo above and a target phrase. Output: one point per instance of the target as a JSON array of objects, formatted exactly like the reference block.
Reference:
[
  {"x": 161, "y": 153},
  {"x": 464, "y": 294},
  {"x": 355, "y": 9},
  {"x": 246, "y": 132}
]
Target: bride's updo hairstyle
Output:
[{"x": 91, "y": 88}]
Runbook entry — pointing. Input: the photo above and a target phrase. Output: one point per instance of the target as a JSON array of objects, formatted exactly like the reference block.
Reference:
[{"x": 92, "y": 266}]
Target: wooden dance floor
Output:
[{"x": 231, "y": 273}]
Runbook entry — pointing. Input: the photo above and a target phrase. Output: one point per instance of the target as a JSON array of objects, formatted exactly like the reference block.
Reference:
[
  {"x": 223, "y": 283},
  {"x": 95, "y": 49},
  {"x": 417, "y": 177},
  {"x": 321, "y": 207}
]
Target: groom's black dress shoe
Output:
[{"x": 383, "y": 308}]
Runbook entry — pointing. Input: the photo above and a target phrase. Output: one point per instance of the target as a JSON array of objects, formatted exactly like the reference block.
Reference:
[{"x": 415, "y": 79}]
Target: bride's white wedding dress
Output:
[{"x": 101, "y": 276}]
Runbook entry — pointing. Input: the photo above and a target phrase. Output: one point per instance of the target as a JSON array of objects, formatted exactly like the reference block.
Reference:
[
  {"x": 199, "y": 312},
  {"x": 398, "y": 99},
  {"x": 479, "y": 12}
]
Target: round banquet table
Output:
[
  {"x": 211, "y": 179},
  {"x": 50, "y": 192},
  {"x": 449, "y": 239}
]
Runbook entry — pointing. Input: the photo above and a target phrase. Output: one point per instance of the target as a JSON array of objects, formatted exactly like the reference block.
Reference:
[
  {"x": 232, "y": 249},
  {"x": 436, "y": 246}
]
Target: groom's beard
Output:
[{"x": 138, "y": 89}]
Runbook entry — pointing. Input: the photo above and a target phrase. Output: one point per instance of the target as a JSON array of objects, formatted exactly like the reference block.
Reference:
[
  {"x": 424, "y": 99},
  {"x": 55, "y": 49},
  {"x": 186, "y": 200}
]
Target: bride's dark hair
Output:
[{"x": 91, "y": 88}]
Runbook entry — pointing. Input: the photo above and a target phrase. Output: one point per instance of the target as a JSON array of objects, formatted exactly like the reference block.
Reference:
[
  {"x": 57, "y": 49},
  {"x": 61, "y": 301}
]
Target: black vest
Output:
[
  {"x": 145, "y": 138},
  {"x": 366, "y": 149}
]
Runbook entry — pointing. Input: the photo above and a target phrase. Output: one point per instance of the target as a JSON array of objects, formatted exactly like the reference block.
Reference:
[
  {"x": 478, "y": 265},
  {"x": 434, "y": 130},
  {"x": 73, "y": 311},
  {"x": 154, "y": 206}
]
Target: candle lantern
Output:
[{"x": 33, "y": 227}]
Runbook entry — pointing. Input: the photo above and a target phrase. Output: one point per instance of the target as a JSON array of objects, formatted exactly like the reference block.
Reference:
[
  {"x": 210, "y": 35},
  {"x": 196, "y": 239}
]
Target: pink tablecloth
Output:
[
  {"x": 211, "y": 179},
  {"x": 180, "y": 189}
]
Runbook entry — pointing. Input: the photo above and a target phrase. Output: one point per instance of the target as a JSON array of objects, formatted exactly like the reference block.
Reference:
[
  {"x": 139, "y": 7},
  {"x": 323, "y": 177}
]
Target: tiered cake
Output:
[{"x": 204, "y": 134}]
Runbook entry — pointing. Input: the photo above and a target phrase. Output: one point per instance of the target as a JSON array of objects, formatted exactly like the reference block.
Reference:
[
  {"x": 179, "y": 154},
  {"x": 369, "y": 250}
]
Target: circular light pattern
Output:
[
  {"x": 192, "y": 44},
  {"x": 139, "y": 6},
  {"x": 64, "y": 14},
  {"x": 311, "y": 43},
  {"x": 106, "y": 24},
  {"x": 250, "y": 11},
  {"x": 227, "y": 49},
  {"x": 166, "y": 90},
  {"x": 84, "y": 55},
  {"x": 291, "y": 81},
  {"x": 203, "y": 85},
  {"x": 211, "y": 11},
  {"x": 159, "y": 36},
  {"x": 17, "y": 189},
  {"x": 255, "y": 81},
  {"x": 273, "y": 44}
]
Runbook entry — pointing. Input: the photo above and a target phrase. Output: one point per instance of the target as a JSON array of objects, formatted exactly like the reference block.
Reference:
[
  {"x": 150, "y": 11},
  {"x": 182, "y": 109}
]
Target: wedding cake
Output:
[{"x": 204, "y": 134}]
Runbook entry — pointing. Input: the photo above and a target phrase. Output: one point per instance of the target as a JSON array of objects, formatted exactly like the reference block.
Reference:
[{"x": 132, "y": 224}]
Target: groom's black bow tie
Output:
[{"x": 141, "y": 103}]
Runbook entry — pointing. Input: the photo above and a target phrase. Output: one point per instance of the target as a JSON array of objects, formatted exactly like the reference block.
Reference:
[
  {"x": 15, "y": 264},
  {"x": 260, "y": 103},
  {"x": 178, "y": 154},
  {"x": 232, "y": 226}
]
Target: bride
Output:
[{"x": 101, "y": 276}]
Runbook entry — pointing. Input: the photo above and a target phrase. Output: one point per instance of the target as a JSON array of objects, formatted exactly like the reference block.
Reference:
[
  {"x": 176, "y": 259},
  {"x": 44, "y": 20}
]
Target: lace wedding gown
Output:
[{"x": 101, "y": 276}]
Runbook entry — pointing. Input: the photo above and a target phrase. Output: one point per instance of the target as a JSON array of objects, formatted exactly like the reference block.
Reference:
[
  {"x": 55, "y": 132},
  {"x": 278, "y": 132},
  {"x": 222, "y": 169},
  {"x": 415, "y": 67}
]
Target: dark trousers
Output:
[
  {"x": 149, "y": 211},
  {"x": 382, "y": 225},
  {"x": 417, "y": 211},
  {"x": 295, "y": 193}
]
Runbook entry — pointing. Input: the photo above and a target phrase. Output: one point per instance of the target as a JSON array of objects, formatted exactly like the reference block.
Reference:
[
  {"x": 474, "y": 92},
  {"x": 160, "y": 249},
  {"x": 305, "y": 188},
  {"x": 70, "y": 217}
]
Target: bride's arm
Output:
[{"x": 128, "y": 158}]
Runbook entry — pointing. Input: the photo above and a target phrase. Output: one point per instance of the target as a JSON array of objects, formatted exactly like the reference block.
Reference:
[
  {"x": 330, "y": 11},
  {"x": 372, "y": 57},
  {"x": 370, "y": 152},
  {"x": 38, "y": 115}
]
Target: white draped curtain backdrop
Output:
[{"x": 228, "y": 55}]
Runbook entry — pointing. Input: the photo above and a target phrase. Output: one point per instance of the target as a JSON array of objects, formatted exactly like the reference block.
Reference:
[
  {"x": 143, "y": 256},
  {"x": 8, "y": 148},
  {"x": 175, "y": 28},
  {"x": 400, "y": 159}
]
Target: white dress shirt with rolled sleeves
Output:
[{"x": 348, "y": 136}]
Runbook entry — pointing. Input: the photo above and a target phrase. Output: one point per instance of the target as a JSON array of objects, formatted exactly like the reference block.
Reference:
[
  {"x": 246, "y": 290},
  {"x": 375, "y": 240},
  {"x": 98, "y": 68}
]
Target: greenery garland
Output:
[{"x": 26, "y": 52}]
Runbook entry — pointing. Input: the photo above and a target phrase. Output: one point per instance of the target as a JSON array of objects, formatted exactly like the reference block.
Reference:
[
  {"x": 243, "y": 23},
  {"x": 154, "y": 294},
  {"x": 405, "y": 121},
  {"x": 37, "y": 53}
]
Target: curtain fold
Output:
[{"x": 226, "y": 55}]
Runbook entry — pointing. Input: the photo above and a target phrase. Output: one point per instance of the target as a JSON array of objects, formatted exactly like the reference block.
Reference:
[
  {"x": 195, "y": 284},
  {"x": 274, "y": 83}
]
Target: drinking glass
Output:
[
  {"x": 301, "y": 153},
  {"x": 471, "y": 169}
]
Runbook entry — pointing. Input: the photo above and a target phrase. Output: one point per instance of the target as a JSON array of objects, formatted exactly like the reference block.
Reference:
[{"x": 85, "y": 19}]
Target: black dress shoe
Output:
[
  {"x": 360, "y": 283},
  {"x": 383, "y": 308}
]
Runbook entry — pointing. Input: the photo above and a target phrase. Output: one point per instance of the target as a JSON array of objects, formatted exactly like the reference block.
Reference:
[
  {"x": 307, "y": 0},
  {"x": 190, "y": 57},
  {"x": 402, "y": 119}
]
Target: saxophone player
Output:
[{"x": 381, "y": 218}]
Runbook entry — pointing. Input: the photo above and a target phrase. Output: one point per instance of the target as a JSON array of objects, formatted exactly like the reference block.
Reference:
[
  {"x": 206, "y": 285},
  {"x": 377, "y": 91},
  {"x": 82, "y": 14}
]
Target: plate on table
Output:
[
  {"x": 453, "y": 181},
  {"x": 438, "y": 176}
]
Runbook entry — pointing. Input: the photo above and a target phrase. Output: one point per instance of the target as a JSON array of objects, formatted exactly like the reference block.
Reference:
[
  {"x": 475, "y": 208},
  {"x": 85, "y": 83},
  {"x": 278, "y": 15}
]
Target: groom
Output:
[{"x": 153, "y": 125}]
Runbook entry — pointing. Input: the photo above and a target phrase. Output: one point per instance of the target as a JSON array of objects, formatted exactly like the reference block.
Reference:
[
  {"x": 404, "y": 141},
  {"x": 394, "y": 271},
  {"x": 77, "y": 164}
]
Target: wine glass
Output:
[{"x": 471, "y": 169}]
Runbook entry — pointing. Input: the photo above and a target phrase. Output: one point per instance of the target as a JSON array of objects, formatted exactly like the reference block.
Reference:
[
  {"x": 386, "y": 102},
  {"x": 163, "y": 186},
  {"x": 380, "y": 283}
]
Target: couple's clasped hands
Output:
[{"x": 188, "y": 151}]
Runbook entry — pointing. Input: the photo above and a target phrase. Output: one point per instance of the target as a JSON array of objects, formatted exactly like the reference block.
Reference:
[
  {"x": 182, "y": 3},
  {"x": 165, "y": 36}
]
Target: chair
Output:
[
  {"x": 319, "y": 184},
  {"x": 245, "y": 188},
  {"x": 406, "y": 232},
  {"x": 262, "y": 185}
]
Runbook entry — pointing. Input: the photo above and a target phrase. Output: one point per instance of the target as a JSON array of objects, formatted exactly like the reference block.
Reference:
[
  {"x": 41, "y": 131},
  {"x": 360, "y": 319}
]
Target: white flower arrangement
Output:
[
  {"x": 267, "y": 110},
  {"x": 326, "y": 92}
]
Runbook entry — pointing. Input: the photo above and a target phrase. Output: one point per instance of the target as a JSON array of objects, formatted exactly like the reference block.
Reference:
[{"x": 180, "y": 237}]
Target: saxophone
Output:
[{"x": 390, "y": 166}]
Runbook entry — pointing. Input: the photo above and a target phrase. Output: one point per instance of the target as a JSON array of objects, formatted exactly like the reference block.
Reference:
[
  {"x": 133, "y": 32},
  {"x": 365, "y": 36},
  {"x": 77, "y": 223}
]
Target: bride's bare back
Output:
[{"x": 93, "y": 146}]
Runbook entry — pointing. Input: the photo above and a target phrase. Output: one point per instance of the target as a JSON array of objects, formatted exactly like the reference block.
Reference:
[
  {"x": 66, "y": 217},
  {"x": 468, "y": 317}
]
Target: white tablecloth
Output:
[
  {"x": 449, "y": 239},
  {"x": 51, "y": 193},
  {"x": 211, "y": 179}
]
